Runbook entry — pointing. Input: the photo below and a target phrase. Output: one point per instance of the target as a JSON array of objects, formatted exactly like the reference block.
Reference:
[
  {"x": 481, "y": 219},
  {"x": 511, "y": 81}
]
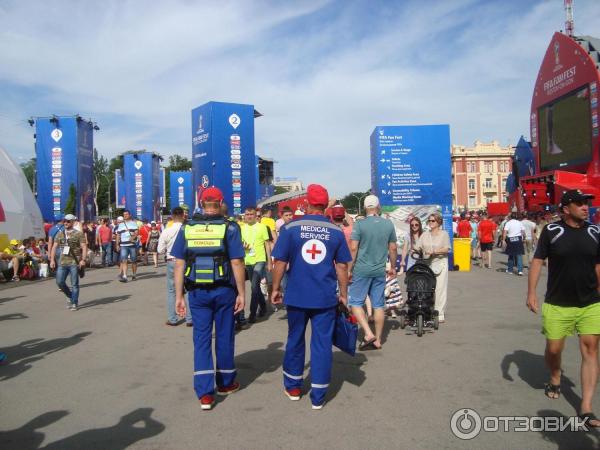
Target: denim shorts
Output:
[
  {"x": 130, "y": 251},
  {"x": 360, "y": 287}
]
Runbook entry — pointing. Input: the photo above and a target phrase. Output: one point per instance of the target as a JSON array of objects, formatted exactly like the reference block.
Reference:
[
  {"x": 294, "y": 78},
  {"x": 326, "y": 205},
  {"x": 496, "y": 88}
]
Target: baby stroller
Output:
[{"x": 419, "y": 308}]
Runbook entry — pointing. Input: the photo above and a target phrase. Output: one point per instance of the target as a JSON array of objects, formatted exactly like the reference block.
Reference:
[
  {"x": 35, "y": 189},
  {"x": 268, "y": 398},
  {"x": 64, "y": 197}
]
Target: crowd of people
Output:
[{"x": 310, "y": 261}]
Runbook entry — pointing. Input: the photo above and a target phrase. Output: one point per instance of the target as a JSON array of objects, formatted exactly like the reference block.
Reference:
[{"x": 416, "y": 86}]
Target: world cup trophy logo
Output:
[{"x": 556, "y": 55}]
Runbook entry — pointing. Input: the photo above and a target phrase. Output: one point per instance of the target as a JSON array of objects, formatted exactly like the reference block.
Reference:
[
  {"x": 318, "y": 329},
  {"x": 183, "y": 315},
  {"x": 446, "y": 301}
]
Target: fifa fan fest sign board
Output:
[
  {"x": 182, "y": 191},
  {"x": 411, "y": 172},
  {"x": 64, "y": 157},
  {"x": 223, "y": 152},
  {"x": 139, "y": 185}
]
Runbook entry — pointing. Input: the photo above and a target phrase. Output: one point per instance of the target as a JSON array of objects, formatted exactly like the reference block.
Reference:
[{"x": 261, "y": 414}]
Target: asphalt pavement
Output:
[{"x": 112, "y": 375}]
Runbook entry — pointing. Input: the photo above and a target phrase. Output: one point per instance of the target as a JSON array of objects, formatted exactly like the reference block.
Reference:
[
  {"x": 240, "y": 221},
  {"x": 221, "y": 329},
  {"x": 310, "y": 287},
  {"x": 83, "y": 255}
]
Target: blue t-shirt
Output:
[
  {"x": 55, "y": 229},
  {"x": 233, "y": 240},
  {"x": 374, "y": 235},
  {"x": 311, "y": 245}
]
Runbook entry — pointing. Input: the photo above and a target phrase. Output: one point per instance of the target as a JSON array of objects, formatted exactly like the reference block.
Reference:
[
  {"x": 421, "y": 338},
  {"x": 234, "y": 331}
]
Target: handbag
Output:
[{"x": 345, "y": 332}]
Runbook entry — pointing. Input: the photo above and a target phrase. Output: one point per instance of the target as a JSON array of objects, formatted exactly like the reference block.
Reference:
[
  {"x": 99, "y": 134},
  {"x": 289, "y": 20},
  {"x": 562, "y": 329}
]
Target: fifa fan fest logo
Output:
[
  {"x": 556, "y": 53},
  {"x": 200, "y": 124}
]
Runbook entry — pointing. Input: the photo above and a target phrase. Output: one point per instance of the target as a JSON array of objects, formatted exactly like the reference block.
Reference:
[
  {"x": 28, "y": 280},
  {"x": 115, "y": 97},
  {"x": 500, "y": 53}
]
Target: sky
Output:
[{"x": 323, "y": 73}]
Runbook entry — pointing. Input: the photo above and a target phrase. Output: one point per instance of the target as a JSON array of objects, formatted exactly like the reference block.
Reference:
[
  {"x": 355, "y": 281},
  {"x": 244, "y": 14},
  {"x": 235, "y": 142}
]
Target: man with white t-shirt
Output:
[
  {"x": 127, "y": 236},
  {"x": 513, "y": 236},
  {"x": 530, "y": 236}
]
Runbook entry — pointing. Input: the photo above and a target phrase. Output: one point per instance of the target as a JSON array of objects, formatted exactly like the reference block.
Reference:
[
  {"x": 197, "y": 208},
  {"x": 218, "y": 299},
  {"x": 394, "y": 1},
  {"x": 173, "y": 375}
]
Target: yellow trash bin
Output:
[{"x": 462, "y": 254}]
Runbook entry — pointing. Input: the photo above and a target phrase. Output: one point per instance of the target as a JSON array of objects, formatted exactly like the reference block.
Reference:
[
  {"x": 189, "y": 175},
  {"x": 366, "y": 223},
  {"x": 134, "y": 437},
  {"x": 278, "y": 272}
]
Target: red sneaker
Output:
[
  {"x": 226, "y": 390},
  {"x": 293, "y": 394},
  {"x": 207, "y": 402}
]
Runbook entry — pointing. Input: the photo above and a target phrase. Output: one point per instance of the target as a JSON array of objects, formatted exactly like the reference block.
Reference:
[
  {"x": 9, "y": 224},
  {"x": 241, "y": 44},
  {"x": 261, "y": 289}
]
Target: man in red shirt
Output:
[
  {"x": 464, "y": 227},
  {"x": 144, "y": 235},
  {"x": 485, "y": 232},
  {"x": 104, "y": 240}
]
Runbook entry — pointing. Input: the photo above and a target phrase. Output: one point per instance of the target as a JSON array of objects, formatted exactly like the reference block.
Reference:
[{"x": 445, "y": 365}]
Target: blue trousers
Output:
[
  {"x": 322, "y": 322},
  {"x": 107, "y": 254},
  {"x": 512, "y": 259},
  {"x": 257, "y": 300},
  {"x": 210, "y": 306},
  {"x": 61, "y": 277},
  {"x": 171, "y": 312}
]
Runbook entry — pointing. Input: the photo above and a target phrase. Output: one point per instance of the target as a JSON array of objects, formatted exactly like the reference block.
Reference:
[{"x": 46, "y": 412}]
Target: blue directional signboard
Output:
[
  {"x": 411, "y": 170},
  {"x": 64, "y": 158},
  {"x": 223, "y": 152}
]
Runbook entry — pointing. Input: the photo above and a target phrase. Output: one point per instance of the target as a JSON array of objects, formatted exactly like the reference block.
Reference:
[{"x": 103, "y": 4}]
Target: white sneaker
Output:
[
  {"x": 73, "y": 308},
  {"x": 318, "y": 406},
  {"x": 520, "y": 274}
]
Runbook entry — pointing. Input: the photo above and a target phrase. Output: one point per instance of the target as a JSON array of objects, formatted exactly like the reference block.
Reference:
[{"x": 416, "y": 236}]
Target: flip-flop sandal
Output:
[
  {"x": 367, "y": 344},
  {"x": 589, "y": 416},
  {"x": 552, "y": 388}
]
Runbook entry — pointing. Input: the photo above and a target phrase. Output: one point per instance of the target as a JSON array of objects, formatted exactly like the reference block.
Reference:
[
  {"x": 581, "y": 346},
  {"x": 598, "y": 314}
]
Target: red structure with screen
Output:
[{"x": 564, "y": 124}]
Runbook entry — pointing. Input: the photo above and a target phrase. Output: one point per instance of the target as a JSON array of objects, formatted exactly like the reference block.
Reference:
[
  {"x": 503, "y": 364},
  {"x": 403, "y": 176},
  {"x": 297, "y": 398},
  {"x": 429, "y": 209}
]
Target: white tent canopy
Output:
[{"x": 22, "y": 217}]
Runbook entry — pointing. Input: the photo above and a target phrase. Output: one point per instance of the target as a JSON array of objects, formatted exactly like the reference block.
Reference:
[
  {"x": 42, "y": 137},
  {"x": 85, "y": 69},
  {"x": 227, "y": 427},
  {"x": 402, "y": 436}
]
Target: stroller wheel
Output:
[
  {"x": 420, "y": 325},
  {"x": 436, "y": 322},
  {"x": 402, "y": 320}
]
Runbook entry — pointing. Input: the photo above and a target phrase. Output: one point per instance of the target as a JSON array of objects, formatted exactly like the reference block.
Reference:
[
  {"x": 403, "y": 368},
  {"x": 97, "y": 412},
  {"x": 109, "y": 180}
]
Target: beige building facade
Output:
[{"x": 479, "y": 174}]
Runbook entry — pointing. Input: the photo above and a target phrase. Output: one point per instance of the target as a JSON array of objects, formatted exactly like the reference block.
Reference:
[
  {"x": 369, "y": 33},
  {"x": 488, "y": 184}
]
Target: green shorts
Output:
[{"x": 561, "y": 321}]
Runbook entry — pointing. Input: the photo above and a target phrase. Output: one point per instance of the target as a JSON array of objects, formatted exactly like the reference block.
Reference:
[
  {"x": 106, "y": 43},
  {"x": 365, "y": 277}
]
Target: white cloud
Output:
[{"x": 323, "y": 75}]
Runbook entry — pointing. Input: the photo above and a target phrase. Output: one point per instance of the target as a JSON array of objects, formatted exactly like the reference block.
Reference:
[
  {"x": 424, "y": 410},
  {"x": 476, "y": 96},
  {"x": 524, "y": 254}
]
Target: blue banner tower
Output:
[
  {"x": 64, "y": 149},
  {"x": 138, "y": 187},
  {"x": 181, "y": 189},
  {"x": 223, "y": 152}
]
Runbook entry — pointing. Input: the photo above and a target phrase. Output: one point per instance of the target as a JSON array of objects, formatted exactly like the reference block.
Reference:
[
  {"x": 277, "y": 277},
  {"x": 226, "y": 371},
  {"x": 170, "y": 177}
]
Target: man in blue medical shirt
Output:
[
  {"x": 209, "y": 261},
  {"x": 318, "y": 257}
]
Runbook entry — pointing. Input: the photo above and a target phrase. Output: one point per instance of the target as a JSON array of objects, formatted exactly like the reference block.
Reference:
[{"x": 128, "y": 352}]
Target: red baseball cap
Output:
[
  {"x": 317, "y": 195},
  {"x": 212, "y": 194},
  {"x": 338, "y": 212}
]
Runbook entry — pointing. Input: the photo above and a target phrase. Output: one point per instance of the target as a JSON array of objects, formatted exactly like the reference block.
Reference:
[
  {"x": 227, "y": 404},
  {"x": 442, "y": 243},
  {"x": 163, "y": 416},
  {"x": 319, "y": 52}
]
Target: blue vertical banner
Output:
[
  {"x": 86, "y": 207},
  {"x": 64, "y": 158},
  {"x": 411, "y": 172},
  {"x": 182, "y": 190},
  {"x": 141, "y": 184},
  {"x": 223, "y": 152},
  {"x": 161, "y": 187},
  {"x": 119, "y": 189}
]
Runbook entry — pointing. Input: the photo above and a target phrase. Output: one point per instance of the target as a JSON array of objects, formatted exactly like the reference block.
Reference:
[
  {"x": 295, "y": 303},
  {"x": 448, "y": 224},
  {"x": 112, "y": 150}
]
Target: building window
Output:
[
  {"x": 488, "y": 183},
  {"x": 471, "y": 184},
  {"x": 471, "y": 167},
  {"x": 488, "y": 166},
  {"x": 472, "y": 200},
  {"x": 504, "y": 166}
]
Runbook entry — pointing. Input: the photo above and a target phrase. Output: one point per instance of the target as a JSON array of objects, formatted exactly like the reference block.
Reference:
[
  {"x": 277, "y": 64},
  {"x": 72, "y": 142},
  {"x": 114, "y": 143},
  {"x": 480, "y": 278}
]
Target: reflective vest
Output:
[{"x": 207, "y": 261}]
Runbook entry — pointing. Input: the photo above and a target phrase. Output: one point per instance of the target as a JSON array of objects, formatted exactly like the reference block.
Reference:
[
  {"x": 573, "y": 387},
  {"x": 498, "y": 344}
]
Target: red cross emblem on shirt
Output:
[{"x": 313, "y": 251}]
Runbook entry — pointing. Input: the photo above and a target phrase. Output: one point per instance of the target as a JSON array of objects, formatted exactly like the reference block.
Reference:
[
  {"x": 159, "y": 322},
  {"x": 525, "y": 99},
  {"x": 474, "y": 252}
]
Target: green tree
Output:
[
  {"x": 280, "y": 190},
  {"x": 28, "y": 169},
  {"x": 351, "y": 201},
  {"x": 70, "y": 206},
  {"x": 101, "y": 183}
]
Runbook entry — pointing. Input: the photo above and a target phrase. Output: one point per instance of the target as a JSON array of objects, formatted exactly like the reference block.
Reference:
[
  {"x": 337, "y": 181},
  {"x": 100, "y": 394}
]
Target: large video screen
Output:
[{"x": 565, "y": 131}]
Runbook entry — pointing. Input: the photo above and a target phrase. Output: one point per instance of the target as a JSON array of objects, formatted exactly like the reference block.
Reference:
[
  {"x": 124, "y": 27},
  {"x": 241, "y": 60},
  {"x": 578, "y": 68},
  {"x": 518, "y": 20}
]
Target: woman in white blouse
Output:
[{"x": 435, "y": 244}]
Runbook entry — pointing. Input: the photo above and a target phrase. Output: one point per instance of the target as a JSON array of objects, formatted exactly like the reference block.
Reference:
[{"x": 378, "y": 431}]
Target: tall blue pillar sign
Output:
[{"x": 223, "y": 152}]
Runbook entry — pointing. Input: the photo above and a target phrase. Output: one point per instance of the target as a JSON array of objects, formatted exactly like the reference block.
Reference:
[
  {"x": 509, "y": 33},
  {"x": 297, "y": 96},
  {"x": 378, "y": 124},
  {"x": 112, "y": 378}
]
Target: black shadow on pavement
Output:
[
  {"x": 95, "y": 283},
  {"x": 27, "y": 437},
  {"x": 104, "y": 301},
  {"x": 346, "y": 369},
  {"x": 388, "y": 325},
  {"x": 147, "y": 276},
  {"x": 532, "y": 370},
  {"x": 13, "y": 316},
  {"x": 251, "y": 365},
  {"x": 132, "y": 427},
  {"x": 21, "y": 356},
  {"x": 567, "y": 439},
  {"x": 8, "y": 299}
]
